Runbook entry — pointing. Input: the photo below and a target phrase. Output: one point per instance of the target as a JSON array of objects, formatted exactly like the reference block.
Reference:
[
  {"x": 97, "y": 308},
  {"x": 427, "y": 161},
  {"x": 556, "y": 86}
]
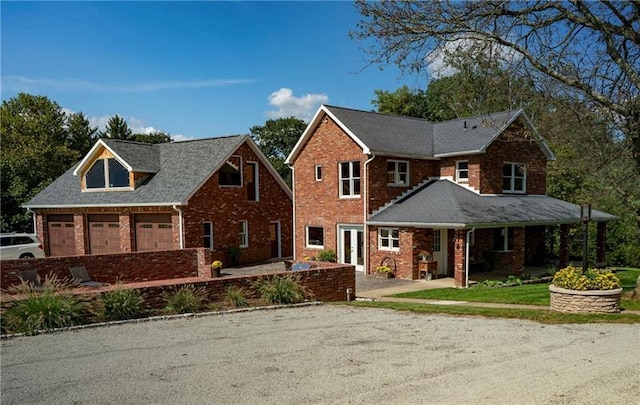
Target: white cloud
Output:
[
  {"x": 35, "y": 84},
  {"x": 438, "y": 60},
  {"x": 181, "y": 138},
  {"x": 288, "y": 105}
]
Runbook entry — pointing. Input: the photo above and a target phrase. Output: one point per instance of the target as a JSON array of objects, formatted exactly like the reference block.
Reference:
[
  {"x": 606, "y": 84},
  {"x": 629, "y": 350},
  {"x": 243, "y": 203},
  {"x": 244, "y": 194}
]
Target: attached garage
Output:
[
  {"x": 104, "y": 234},
  {"x": 154, "y": 232},
  {"x": 61, "y": 237}
]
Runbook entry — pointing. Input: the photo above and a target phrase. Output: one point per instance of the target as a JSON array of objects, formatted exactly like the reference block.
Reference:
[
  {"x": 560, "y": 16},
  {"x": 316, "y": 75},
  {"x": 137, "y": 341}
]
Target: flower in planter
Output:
[
  {"x": 425, "y": 255},
  {"x": 216, "y": 265},
  {"x": 573, "y": 278},
  {"x": 383, "y": 269}
]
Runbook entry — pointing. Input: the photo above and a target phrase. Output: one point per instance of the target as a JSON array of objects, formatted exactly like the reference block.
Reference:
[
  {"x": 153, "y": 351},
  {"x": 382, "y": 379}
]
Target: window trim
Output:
[
  {"x": 512, "y": 178},
  {"x": 243, "y": 234},
  {"x": 390, "y": 238},
  {"x": 307, "y": 244},
  {"x": 396, "y": 173},
  {"x": 318, "y": 172},
  {"x": 351, "y": 179},
  {"x": 106, "y": 172},
  {"x": 210, "y": 236},
  {"x": 459, "y": 171}
]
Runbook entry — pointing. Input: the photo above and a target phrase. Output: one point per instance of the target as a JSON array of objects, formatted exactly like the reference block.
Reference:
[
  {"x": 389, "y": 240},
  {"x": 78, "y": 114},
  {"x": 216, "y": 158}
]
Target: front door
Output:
[
  {"x": 351, "y": 245},
  {"x": 440, "y": 249}
]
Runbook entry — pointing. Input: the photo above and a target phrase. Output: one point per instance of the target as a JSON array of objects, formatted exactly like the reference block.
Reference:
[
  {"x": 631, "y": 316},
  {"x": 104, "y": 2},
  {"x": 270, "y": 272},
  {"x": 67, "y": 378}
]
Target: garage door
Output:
[
  {"x": 62, "y": 241},
  {"x": 104, "y": 234},
  {"x": 154, "y": 232}
]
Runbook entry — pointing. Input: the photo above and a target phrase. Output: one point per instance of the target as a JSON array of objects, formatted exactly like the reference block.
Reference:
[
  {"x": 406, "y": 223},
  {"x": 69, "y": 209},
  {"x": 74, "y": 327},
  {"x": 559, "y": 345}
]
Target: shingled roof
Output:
[
  {"x": 180, "y": 168},
  {"x": 442, "y": 203},
  {"x": 396, "y": 135}
]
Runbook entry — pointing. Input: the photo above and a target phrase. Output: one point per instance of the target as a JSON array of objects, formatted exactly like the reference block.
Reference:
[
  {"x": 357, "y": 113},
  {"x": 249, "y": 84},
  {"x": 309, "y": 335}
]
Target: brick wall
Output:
[{"x": 126, "y": 267}]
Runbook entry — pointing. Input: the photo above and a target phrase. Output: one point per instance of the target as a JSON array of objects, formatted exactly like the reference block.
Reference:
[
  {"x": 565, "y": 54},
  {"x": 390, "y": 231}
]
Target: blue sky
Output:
[{"x": 193, "y": 69}]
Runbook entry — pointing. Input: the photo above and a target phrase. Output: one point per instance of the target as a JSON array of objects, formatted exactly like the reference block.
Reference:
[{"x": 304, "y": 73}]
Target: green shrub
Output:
[
  {"x": 236, "y": 297},
  {"x": 489, "y": 284},
  {"x": 187, "y": 299},
  {"x": 282, "y": 289},
  {"x": 513, "y": 280},
  {"x": 122, "y": 304},
  {"x": 327, "y": 255},
  {"x": 573, "y": 278},
  {"x": 48, "y": 307}
]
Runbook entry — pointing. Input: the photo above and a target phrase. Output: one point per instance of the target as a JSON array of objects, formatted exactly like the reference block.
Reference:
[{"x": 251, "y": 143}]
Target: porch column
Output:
[
  {"x": 126, "y": 232},
  {"x": 81, "y": 234},
  {"x": 517, "y": 256},
  {"x": 600, "y": 244},
  {"x": 564, "y": 246},
  {"x": 459, "y": 257}
]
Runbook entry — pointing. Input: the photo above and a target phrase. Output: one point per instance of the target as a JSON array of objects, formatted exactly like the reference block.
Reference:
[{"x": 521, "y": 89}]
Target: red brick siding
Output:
[
  {"x": 459, "y": 251},
  {"x": 126, "y": 267},
  {"x": 225, "y": 207},
  {"x": 318, "y": 203}
]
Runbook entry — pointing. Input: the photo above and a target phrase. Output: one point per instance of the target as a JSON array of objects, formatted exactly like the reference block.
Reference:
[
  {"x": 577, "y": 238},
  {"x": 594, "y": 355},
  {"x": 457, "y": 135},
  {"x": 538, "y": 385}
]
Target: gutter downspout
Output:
[
  {"x": 293, "y": 203},
  {"x": 33, "y": 216},
  {"x": 466, "y": 258},
  {"x": 175, "y": 207},
  {"x": 365, "y": 229}
]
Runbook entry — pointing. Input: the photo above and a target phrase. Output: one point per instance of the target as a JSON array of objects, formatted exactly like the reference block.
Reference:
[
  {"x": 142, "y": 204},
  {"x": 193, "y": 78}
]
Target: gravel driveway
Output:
[{"x": 325, "y": 354}]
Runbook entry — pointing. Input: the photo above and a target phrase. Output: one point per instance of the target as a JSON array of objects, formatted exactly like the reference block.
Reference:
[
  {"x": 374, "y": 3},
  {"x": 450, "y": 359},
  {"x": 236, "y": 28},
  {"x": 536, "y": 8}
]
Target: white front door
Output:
[
  {"x": 351, "y": 245},
  {"x": 440, "y": 249}
]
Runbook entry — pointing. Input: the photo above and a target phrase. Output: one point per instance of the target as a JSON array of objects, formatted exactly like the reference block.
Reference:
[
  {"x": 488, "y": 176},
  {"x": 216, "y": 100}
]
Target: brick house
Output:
[
  {"x": 470, "y": 192},
  {"x": 128, "y": 196}
]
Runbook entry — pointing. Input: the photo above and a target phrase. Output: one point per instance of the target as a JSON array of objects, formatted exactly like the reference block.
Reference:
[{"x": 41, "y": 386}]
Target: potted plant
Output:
[
  {"x": 592, "y": 291},
  {"x": 234, "y": 252},
  {"x": 425, "y": 255},
  {"x": 216, "y": 266},
  {"x": 384, "y": 271}
]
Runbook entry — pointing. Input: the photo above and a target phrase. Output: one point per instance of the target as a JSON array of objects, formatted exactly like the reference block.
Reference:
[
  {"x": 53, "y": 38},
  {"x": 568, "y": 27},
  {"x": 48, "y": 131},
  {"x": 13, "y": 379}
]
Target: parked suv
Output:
[{"x": 20, "y": 246}]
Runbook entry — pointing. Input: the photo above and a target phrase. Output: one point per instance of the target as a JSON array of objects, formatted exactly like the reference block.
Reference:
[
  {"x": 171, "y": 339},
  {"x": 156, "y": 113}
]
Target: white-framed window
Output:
[
  {"x": 253, "y": 181},
  {"x": 350, "y": 179},
  {"x": 514, "y": 177},
  {"x": 243, "y": 233},
  {"x": 389, "y": 239},
  {"x": 462, "y": 171},
  {"x": 230, "y": 174},
  {"x": 436, "y": 245},
  {"x": 207, "y": 235},
  {"x": 397, "y": 173},
  {"x": 503, "y": 239},
  {"x": 318, "y": 169},
  {"x": 107, "y": 173},
  {"x": 315, "y": 237}
]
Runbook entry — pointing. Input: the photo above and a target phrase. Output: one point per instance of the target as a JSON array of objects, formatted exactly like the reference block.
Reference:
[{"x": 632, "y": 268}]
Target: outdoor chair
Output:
[
  {"x": 82, "y": 277},
  {"x": 31, "y": 276}
]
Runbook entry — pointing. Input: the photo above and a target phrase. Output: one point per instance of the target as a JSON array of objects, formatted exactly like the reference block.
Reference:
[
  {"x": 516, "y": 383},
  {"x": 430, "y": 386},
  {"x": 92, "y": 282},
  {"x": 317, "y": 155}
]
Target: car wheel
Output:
[{"x": 27, "y": 256}]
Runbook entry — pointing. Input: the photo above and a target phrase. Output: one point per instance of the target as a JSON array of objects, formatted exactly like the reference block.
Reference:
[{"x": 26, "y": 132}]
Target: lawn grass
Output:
[{"x": 541, "y": 315}]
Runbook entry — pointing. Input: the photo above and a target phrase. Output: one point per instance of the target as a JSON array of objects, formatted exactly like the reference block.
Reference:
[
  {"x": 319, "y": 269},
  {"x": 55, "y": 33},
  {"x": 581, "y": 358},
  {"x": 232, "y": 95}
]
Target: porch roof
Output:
[{"x": 442, "y": 203}]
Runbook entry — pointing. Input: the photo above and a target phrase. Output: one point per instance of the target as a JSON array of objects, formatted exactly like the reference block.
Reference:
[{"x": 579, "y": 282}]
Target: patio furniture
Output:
[
  {"x": 80, "y": 274},
  {"x": 31, "y": 276}
]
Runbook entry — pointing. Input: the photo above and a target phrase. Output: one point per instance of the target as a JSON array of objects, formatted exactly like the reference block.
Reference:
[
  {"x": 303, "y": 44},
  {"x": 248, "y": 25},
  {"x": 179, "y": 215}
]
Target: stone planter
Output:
[
  {"x": 384, "y": 275},
  {"x": 591, "y": 301}
]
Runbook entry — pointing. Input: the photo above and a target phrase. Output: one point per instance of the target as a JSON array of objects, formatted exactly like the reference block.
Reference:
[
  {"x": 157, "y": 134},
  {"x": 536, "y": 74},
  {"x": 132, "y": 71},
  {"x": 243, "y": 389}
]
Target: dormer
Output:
[{"x": 116, "y": 165}]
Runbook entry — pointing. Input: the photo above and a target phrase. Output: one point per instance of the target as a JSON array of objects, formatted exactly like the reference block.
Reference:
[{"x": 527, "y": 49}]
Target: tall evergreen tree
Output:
[{"x": 117, "y": 128}]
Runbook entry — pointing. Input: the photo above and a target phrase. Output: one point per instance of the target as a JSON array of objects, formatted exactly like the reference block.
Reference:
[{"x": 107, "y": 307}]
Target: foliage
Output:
[
  {"x": 81, "y": 134},
  {"x": 117, "y": 128},
  {"x": 153, "y": 137},
  {"x": 217, "y": 264},
  {"x": 383, "y": 269},
  {"x": 285, "y": 289},
  {"x": 489, "y": 284},
  {"x": 234, "y": 252},
  {"x": 187, "y": 299},
  {"x": 326, "y": 255},
  {"x": 236, "y": 297},
  {"x": 276, "y": 139},
  {"x": 43, "y": 309},
  {"x": 513, "y": 280},
  {"x": 573, "y": 278},
  {"x": 122, "y": 304}
]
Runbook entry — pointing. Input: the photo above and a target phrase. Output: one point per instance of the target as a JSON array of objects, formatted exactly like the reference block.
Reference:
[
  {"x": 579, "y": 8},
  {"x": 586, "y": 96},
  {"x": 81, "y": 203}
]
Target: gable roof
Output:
[
  {"x": 181, "y": 168},
  {"x": 442, "y": 203},
  {"x": 396, "y": 135}
]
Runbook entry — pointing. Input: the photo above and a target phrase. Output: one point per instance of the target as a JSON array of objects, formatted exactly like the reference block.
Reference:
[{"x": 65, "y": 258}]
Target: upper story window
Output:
[
  {"x": 350, "y": 179},
  {"x": 462, "y": 171},
  {"x": 253, "y": 181},
  {"x": 397, "y": 173},
  {"x": 514, "y": 178},
  {"x": 230, "y": 174},
  {"x": 318, "y": 172},
  {"x": 389, "y": 239},
  {"x": 107, "y": 173}
]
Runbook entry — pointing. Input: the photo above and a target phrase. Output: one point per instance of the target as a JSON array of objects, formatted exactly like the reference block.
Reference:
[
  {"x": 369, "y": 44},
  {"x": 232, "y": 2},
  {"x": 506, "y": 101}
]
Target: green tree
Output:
[
  {"x": 117, "y": 128},
  {"x": 153, "y": 137},
  {"x": 589, "y": 50},
  {"x": 81, "y": 134},
  {"x": 35, "y": 151},
  {"x": 276, "y": 139}
]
